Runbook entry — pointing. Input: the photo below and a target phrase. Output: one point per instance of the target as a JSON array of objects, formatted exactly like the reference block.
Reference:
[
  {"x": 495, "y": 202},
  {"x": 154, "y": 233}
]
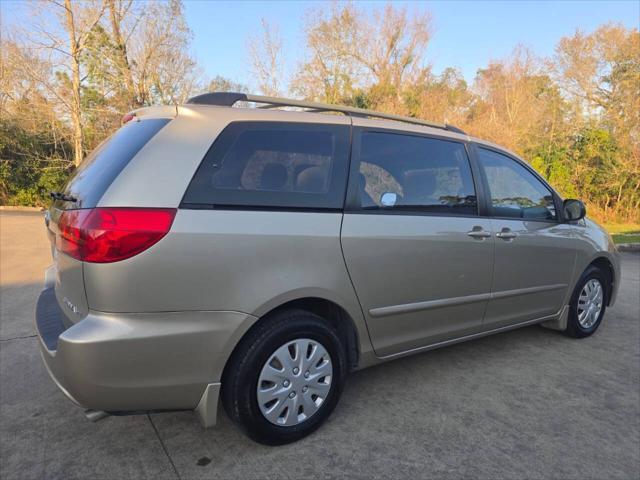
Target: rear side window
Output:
[
  {"x": 268, "y": 164},
  {"x": 406, "y": 172},
  {"x": 105, "y": 163}
]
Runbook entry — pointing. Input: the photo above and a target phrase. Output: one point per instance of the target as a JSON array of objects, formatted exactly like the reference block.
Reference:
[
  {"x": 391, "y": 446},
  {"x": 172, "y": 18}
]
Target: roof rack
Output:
[{"x": 228, "y": 99}]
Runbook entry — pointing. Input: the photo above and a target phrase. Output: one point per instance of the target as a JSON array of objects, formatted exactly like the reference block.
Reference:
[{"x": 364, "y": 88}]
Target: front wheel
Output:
[
  {"x": 588, "y": 304},
  {"x": 285, "y": 378}
]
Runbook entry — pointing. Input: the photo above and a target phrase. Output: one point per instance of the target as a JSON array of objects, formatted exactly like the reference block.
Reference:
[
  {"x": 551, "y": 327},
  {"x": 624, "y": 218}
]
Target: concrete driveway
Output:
[{"x": 525, "y": 404}]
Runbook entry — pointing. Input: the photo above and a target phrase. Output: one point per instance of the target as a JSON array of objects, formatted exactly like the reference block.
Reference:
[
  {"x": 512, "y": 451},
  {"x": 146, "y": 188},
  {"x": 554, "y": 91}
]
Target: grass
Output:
[
  {"x": 625, "y": 238},
  {"x": 624, "y": 228},
  {"x": 624, "y": 232}
]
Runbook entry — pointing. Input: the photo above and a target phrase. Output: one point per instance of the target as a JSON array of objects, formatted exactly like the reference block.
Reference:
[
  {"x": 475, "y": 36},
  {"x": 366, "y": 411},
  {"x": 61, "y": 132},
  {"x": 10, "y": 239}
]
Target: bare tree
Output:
[
  {"x": 62, "y": 44},
  {"x": 350, "y": 50},
  {"x": 78, "y": 29},
  {"x": 444, "y": 98},
  {"x": 391, "y": 45},
  {"x": 329, "y": 72},
  {"x": 222, "y": 84},
  {"x": 162, "y": 67},
  {"x": 265, "y": 52},
  {"x": 139, "y": 55},
  {"x": 515, "y": 101},
  {"x": 119, "y": 11},
  {"x": 600, "y": 73},
  {"x": 23, "y": 98}
]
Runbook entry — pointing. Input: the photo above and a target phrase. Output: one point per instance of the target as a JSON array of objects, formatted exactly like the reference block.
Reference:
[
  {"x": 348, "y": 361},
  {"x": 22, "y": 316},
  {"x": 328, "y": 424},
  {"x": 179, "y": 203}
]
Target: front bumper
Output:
[
  {"x": 617, "y": 277},
  {"x": 139, "y": 362}
]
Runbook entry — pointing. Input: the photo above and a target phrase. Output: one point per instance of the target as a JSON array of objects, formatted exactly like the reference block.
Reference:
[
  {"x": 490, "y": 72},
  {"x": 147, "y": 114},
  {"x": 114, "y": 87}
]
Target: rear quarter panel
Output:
[{"x": 244, "y": 261}]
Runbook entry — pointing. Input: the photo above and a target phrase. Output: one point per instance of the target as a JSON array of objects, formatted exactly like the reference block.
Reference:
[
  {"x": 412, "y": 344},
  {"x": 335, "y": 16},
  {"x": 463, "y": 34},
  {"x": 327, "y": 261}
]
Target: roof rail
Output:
[{"x": 228, "y": 99}]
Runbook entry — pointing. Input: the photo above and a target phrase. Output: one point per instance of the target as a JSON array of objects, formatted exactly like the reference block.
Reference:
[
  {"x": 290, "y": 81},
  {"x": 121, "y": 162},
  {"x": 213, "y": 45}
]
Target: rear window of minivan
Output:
[
  {"x": 273, "y": 164},
  {"x": 105, "y": 163}
]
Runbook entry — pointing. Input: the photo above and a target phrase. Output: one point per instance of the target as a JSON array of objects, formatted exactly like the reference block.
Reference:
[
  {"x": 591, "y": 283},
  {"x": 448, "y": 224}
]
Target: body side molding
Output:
[{"x": 448, "y": 302}]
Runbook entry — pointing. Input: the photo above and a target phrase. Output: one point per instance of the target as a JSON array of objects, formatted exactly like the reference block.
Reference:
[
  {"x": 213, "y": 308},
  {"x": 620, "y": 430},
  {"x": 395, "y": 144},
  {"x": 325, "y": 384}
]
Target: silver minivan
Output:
[{"x": 255, "y": 250}]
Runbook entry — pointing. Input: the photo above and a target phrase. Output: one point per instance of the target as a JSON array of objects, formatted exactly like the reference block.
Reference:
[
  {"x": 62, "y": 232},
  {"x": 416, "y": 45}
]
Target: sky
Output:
[{"x": 466, "y": 34}]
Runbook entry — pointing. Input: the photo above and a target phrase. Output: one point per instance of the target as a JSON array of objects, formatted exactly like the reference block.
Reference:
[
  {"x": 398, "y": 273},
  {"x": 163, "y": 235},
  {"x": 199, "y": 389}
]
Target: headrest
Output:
[
  {"x": 311, "y": 179},
  {"x": 274, "y": 177}
]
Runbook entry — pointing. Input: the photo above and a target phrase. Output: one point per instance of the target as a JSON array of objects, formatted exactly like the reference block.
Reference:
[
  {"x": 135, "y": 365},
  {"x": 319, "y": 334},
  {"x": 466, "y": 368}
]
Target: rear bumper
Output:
[
  {"x": 49, "y": 319},
  {"x": 139, "y": 362}
]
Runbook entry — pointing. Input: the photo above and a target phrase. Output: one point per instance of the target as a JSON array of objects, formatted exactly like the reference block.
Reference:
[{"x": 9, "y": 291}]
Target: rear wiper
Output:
[{"x": 63, "y": 197}]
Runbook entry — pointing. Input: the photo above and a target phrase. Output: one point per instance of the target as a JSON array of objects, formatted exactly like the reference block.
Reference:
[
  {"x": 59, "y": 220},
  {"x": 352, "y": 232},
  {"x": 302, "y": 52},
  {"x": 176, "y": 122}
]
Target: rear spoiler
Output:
[{"x": 156, "y": 111}]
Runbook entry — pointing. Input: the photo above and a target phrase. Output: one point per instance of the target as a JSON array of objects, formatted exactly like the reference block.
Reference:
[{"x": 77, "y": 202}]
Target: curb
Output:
[
  {"x": 628, "y": 247},
  {"x": 15, "y": 208}
]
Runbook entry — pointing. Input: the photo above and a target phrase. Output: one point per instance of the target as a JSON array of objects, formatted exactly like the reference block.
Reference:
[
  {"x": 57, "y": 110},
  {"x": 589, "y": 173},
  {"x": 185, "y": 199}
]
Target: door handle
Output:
[
  {"x": 506, "y": 234},
  {"x": 478, "y": 232}
]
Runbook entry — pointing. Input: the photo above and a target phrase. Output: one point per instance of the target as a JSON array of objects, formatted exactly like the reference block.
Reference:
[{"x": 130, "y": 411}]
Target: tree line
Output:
[{"x": 68, "y": 77}]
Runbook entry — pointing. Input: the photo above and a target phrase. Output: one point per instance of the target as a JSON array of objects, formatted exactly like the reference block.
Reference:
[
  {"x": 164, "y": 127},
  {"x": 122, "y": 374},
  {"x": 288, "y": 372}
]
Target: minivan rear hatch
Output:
[{"x": 84, "y": 191}]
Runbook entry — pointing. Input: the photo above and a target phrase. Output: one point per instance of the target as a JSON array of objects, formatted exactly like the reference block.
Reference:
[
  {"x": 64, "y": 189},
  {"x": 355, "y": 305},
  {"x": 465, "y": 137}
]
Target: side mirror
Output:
[
  {"x": 388, "y": 199},
  {"x": 574, "y": 210}
]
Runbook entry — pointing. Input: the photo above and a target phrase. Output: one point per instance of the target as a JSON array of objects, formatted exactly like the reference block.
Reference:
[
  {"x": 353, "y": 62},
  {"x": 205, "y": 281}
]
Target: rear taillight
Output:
[
  {"x": 128, "y": 117},
  {"x": 104, "y": 235}
]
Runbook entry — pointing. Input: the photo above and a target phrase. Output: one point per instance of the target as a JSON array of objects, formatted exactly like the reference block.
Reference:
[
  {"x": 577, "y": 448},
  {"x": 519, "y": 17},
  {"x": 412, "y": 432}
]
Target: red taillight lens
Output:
[
  {"x": 104, "y": 235},
  {"x": 127, "y": 118}
]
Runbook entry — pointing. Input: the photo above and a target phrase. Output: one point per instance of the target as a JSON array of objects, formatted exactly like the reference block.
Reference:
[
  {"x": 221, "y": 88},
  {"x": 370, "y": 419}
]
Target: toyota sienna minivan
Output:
[{"x": 254, "y": 255}]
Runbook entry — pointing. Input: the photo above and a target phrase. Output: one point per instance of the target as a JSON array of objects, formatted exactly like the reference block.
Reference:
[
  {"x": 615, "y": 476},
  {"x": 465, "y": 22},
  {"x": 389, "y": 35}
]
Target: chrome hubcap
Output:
[
  {"x": 590, "y": 303},
  {"x": 294, "y": 382}
]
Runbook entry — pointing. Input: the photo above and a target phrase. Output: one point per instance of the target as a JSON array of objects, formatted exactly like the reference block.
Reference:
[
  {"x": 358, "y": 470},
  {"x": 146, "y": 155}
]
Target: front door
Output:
[
  {"x": 419, "y": 256},
  {"x": 534, "y": 252}
]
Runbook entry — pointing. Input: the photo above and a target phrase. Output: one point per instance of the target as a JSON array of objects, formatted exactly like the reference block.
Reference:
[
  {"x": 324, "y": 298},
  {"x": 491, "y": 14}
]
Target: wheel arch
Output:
[
  {"x": 606, "y": 266},
  {"x": 333, "y": 313}
]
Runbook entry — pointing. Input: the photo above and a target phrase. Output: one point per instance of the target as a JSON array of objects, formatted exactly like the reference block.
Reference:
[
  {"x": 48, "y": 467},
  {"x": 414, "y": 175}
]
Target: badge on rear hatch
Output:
[{"x": 70, "y": 305}]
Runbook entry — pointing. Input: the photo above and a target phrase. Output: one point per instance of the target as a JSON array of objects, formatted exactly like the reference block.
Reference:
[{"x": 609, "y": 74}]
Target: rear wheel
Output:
[
  {"x": 285, "y": 378},
  {"x": 588, "y": 304}
]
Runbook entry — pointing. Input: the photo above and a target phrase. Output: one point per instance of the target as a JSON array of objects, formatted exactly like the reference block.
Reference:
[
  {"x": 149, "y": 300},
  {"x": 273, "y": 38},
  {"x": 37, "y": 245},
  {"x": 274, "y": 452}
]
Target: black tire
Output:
[
  {"x": 574, "y": 329},
  {"x": 239, "y": 383}
]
